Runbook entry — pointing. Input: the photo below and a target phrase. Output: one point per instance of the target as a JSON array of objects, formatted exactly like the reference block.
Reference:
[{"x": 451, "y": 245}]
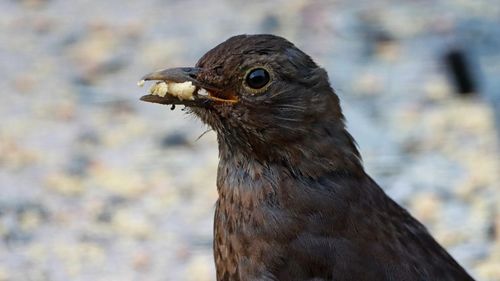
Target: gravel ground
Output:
[{"x": 95, "y": 185}]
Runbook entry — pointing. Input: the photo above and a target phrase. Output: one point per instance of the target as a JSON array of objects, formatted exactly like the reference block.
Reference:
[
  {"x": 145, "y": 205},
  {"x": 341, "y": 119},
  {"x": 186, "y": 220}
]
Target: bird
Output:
[{"x": 294, "y": 201}]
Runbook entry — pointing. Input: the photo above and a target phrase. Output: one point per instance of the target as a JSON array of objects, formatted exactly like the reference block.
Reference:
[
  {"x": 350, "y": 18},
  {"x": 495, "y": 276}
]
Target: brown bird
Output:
[{"x": 294, "y": 201}]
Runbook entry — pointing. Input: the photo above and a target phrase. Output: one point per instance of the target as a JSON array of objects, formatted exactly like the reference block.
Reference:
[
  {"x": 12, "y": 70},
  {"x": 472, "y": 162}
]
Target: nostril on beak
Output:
[{"x": 191, "y": 72}]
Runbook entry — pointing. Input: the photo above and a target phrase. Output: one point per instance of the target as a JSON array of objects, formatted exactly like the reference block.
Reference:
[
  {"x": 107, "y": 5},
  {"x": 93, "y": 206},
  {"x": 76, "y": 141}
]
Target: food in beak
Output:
[{"x": 183, "y": 91}]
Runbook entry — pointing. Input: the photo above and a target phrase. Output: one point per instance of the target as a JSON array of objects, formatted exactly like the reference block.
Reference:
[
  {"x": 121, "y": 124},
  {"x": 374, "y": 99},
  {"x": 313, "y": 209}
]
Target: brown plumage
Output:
[{"x": 294, "y": 201}]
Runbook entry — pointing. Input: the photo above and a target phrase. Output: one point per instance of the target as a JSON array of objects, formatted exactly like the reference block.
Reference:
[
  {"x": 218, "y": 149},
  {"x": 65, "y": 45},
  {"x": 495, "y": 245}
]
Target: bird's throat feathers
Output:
[{"x": 322, "y": 148}]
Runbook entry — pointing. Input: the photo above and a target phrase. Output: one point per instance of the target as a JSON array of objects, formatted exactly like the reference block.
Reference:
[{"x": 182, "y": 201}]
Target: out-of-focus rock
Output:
[
  {"x": 426, "y": 207},
  {"x": 387, "y": 48},
  {"x": 447, "y": 237},
  {"x": 175, "y": 139},
  {"x": 33, "y": 4},
  {"x": 98, "y": 52},
  {"x": 25, "y": 83},
  {"x": 131, "y": 224},
  {"x": 4, "y": 275},
  {"x": 64, "y": 184},
  {"x": 368, "y": 84},
  {"x": 198, "y": 269},
  {"x": 489, "y": 269},
  {"x": 14, "y": 156},
  {"x": 141, "y": 261},
  {"x": 436, "y": 89},
  {"x": 156, "y": 53},
  {"x": 117, "y": 182}
]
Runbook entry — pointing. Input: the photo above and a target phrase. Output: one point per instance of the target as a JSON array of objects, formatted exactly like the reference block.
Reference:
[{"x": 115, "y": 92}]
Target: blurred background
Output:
[{"x": 96, "y": 185}]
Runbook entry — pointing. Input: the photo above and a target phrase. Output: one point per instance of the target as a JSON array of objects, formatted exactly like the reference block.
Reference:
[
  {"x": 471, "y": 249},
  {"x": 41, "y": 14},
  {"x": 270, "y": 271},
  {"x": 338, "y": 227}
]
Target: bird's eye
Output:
[{"x": 257, "y": 78}]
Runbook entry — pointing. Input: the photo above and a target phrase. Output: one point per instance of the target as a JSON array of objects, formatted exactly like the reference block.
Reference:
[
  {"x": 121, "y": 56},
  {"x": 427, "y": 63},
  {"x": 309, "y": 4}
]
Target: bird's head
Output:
[{"x": 261, "y": 92}]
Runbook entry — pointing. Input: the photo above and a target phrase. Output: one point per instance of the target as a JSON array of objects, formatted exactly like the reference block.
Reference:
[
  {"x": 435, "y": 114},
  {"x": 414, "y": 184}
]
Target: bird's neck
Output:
[
  {"x": 322, "y": 150},
  {"x": 250, "y": 184}
]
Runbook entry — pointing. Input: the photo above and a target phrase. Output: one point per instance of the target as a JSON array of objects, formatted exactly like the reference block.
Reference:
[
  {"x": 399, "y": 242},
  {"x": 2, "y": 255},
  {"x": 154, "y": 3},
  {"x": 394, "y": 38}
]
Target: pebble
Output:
[
  {"x": 131, "y": 224},
  {"x": 175, "y": 139},
  {"x": 141, "y": 261},
  {"x": 64, "y": 184},
  {"x": 426, "y": 207}
]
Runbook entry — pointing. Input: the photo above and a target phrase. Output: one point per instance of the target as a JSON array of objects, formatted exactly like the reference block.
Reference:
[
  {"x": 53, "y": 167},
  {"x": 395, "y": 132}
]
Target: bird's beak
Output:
[{"x": 199, "y": 93}]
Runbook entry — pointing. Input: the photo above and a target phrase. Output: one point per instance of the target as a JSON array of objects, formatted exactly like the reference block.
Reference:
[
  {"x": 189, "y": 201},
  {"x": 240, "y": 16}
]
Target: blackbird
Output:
[{"x": 294, "y": 201}]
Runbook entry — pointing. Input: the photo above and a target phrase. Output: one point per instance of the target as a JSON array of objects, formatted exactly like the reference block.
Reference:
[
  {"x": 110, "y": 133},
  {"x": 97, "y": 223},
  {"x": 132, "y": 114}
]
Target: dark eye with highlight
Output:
[{"x": 257, "y": 78}]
